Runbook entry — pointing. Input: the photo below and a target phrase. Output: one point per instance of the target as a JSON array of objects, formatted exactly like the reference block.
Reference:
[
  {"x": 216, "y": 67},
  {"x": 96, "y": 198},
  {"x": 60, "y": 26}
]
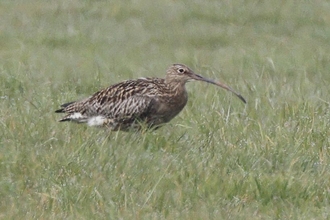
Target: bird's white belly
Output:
[{"x": 96, "y": 121}]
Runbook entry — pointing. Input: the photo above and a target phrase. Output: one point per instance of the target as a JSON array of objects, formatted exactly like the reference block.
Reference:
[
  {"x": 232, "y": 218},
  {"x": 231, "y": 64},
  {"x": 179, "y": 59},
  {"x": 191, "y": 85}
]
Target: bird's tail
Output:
[
  {"x": 63, "y": 107},
  {"x": 73, "y": 115}
]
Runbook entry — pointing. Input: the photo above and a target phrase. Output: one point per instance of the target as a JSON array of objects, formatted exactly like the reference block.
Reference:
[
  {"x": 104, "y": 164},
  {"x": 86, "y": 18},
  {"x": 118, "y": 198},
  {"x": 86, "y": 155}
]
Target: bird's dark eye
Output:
[{"x": 181, "y": 70}]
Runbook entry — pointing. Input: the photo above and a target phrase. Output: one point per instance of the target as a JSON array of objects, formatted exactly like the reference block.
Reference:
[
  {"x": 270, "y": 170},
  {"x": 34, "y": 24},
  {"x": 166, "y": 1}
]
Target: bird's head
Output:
[{"x": 180, "y": 74}]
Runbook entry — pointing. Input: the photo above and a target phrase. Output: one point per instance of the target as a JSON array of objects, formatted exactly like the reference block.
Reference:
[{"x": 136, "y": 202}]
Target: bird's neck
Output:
[{"x": 177, "y": 86}]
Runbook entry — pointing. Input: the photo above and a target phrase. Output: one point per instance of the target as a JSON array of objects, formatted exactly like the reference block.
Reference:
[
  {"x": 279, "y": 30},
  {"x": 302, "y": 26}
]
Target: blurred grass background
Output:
[{"x": 218, "y": 159}]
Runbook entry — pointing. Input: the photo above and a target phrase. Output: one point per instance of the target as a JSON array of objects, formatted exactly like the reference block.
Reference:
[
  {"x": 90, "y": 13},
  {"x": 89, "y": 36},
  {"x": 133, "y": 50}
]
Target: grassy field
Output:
[{"x": 219, "y": 159}]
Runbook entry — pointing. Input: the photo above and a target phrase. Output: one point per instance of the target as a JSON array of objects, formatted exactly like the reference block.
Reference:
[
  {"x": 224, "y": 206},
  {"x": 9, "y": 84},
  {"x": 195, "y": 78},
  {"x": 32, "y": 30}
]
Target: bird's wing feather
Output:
[
  {"x": 121, "y": 101},
  {"x": 133, "y": 107}
]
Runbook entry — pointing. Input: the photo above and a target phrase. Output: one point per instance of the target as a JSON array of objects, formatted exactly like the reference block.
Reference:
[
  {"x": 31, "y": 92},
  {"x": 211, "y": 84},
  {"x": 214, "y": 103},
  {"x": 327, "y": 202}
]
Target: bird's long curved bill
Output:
[{"x": 222, "y": 85}]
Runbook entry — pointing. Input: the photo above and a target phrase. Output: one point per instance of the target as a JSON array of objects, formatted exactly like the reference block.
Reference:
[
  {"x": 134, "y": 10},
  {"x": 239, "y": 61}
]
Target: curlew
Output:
[{"x": 136, "y": 104}]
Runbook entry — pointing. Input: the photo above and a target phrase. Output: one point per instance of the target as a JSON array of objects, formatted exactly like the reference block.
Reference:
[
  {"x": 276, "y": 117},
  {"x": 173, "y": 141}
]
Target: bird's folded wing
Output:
[{"x": 132, "y": 107}]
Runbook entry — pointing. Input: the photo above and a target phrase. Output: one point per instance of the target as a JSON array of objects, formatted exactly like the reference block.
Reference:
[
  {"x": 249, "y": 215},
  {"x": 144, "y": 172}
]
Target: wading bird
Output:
[{"x": 136, "y": 104}]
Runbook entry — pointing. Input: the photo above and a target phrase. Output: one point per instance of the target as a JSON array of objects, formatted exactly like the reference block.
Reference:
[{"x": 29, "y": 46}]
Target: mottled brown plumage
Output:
[{"x": 133, "y": 104}]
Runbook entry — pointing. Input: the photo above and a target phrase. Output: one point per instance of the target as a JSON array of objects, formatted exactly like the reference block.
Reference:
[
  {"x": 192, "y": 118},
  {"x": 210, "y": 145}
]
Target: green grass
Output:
[{"x": 219, "y": 159}]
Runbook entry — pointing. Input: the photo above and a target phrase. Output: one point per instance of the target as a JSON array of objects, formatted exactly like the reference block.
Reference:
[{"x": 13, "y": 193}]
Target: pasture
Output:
[{"x": 219, "y": 159}]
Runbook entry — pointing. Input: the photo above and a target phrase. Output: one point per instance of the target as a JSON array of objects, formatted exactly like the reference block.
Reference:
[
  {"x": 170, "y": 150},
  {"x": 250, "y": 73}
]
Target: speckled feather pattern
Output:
[{"x": 128, "y": 104}]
